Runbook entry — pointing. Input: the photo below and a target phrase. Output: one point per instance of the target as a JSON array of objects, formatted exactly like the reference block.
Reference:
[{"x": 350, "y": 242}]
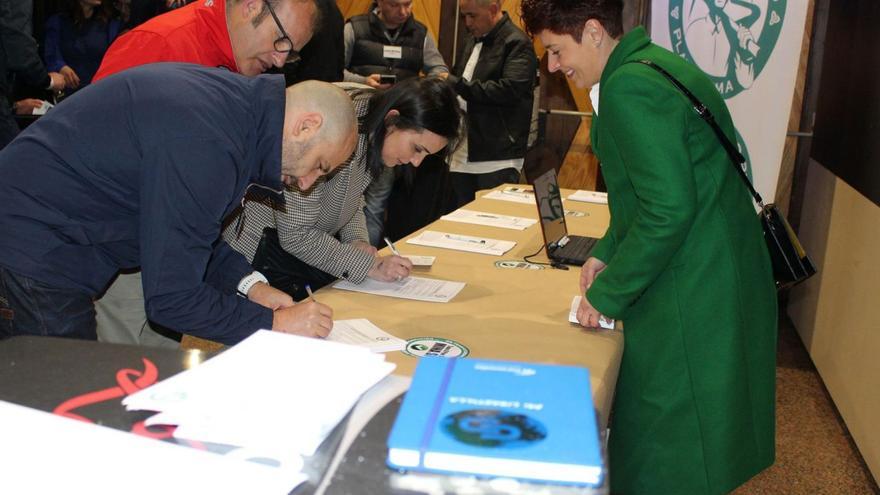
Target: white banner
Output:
[{"x": 750, "y": 49}]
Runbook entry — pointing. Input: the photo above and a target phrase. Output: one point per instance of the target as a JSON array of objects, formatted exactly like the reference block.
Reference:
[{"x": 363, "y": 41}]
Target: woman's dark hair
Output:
[
  {"x": 104, "y": 12},
  {"x": 569, "y": 16},
  {"x": 427, "y": 103}
]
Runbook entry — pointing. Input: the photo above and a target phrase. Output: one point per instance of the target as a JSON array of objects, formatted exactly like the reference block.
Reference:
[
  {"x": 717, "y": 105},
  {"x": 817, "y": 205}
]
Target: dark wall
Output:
[{"x": 847, "y": 131}]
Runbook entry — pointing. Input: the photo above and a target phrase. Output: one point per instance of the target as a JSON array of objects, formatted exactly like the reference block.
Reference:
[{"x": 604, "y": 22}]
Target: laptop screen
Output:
[{"x": 550, "y": 209}]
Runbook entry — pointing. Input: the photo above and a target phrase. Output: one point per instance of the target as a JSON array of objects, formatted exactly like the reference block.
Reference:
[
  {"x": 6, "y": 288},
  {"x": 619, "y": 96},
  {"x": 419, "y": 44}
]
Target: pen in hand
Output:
[
  {"x": 309, "y": 291},
  {"x": 391, "y": 247}
]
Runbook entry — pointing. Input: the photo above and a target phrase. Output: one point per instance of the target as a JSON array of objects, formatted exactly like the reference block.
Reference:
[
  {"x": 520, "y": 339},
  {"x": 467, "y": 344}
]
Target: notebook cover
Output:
[{"x": 498, "y": 418}]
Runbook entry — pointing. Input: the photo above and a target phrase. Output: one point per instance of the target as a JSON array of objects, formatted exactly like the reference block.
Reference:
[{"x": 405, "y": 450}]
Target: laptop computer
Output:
[{"x": 561, "y": 247}]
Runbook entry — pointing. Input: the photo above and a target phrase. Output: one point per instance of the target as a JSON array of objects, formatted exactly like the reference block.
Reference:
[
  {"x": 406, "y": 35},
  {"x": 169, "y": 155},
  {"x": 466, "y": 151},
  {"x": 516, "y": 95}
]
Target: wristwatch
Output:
[{"x": 248, "y": 281}]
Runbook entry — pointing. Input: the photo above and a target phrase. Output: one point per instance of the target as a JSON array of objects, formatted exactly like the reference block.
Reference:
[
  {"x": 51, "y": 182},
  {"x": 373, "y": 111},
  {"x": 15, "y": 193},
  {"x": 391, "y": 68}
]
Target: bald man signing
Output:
[{"x": 140, "y": 170}]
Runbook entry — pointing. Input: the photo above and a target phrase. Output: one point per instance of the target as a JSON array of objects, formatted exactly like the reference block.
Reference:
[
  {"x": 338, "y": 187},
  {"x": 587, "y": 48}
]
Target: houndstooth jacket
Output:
[{"x": 317, "y": 225}]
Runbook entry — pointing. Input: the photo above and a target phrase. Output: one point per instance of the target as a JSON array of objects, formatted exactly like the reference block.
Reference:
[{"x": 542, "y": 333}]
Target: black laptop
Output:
[{"x": 561, "y": 247}]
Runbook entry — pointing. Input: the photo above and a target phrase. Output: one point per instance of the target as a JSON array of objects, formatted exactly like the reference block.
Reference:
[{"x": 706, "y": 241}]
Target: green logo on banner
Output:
[{"x": 731, "y": 40}]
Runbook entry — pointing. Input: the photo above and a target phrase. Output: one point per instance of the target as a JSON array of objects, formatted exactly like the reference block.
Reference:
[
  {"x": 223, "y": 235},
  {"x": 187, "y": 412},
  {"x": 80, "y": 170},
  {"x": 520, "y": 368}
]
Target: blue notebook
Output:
[{"x": 498, "y": 418}]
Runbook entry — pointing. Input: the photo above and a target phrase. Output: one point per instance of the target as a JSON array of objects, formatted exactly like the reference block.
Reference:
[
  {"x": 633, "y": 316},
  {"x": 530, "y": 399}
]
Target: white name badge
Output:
[{"x": 389, "y": 51}]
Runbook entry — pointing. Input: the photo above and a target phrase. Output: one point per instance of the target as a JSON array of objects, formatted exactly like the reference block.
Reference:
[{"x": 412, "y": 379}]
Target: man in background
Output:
[
  {"x": 88, "y": 190},
  {"x": 246, "y": 36},
  {"x": 495, "y": 80}
]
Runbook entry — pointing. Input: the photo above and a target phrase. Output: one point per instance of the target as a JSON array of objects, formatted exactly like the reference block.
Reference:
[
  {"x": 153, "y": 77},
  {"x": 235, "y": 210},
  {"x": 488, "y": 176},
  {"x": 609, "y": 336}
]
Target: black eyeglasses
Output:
[{"x": 283, "y": 44}]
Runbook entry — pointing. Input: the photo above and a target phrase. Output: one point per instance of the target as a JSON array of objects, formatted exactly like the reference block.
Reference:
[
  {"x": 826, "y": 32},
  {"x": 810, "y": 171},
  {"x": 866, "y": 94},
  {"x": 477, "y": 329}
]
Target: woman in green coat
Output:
[{"x": 683, "y": 263}]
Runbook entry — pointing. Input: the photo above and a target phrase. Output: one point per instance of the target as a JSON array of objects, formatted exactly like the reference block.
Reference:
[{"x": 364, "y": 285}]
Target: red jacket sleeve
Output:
[{"x": 131, "y": 50}]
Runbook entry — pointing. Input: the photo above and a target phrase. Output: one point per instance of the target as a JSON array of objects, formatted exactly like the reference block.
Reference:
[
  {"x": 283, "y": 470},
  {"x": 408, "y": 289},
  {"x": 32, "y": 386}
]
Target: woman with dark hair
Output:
[
  {"x": 683, "y": 262},
  {"x": 78, "y": 37},
  {"x": 319, "y": 234}
]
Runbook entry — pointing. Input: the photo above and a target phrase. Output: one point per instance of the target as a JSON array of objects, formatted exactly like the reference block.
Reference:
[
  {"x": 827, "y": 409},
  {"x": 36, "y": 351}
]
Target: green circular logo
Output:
[
  {"x": 435, "y": 346},
  {"x": 730, "y": 40}
]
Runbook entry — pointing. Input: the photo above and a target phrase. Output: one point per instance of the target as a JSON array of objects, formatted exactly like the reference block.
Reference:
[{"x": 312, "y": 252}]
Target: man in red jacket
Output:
[{"x": 245, "y": 36}]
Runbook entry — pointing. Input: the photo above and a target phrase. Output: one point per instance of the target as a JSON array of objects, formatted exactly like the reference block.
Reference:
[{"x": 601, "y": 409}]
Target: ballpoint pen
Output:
[
  {"x": 464, "y": 239},
  {"x": 391, "y": 247},
  {"x": 309, "y": 290}
]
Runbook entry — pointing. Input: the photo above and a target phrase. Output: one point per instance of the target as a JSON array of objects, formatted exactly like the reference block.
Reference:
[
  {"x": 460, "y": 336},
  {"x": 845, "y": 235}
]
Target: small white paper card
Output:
[
  {"x": 421, "y": 260},
  {"x": 489, "y": 219},
  {"x": 363, "y": 332},
  {"x": 605, "y": 323}
]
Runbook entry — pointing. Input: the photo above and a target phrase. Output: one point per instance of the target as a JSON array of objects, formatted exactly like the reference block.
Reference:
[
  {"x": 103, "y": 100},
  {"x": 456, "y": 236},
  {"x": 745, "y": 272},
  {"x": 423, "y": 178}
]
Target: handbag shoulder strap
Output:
[{"x": 703, "y": 111}]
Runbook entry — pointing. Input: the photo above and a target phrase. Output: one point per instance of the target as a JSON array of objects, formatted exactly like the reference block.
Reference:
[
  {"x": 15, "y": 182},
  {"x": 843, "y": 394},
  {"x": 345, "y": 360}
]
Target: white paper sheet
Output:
[
  {"x": 489, "y": 219},
  {"x": 607, "y": 324},
  {"x": 364, "y": 333},
  {"x": 515, "y": 194},
  {"x": 416, "y": 288},
  {"x": 267, "y": 394},
  {"x": 482, "y": 245},
  {"x": 589, "y": 197},
  {"x": 87, "y": 458}
]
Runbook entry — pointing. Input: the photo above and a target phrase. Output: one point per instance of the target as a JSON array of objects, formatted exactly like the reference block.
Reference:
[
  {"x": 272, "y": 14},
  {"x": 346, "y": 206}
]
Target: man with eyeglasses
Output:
[{"x": 244, "y": 36}]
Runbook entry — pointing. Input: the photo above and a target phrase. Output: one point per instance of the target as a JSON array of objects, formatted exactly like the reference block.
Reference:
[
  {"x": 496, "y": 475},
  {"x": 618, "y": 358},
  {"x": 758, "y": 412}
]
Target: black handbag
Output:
[{"x": 790, "y": 262}]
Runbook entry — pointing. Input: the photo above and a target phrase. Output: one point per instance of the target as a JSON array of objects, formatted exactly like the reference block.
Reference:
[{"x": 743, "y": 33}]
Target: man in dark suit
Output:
[{"x": 495, "y": 80}]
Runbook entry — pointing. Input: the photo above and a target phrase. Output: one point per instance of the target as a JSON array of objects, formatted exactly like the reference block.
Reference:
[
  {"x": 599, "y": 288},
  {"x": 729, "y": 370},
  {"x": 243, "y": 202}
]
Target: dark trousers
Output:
[
  {"x": 465, "y": 186},
  {"x": 29, "y": 307}
]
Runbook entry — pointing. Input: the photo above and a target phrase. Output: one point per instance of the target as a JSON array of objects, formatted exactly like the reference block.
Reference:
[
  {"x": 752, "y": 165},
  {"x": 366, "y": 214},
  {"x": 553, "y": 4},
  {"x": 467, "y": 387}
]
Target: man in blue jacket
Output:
[{"x": 141, "y": 170}]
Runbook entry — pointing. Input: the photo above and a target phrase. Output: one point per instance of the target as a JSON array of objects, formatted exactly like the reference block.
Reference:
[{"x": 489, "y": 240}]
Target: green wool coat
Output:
[{"x": 689, "y": 275}]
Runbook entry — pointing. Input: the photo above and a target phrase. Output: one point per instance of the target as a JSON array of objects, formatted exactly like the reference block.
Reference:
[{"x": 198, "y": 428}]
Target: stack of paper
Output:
[
  {"x": 489, "y": 219},
  {"x": 415, "y": 288},
  {"x": 589, "y": 197},
  {"x": 276, "y": 396},
  {"x": 482, "y": 245},
  {"x": 362, "y": 332}
]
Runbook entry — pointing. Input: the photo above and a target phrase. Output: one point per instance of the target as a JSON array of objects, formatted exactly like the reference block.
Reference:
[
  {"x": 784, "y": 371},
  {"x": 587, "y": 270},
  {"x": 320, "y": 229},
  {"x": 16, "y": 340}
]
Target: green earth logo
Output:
[{"x": 730, "y": 40}]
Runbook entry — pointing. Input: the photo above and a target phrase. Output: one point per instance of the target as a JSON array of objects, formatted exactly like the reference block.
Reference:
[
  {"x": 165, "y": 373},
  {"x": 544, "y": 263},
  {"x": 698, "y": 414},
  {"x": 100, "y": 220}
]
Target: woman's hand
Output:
[
  {"x": 71, "y": 79},
  {"x": 589, "y": 271},
  {"x": 390, "y": 268},
  {"x": 587, "y": 315}
]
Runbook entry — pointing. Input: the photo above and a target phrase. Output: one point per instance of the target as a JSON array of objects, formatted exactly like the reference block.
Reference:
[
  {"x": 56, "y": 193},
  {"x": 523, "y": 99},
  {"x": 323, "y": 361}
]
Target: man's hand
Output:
[
  {"x": 589, "y": 271},
  {"x": 365, "y": 247},
  {"x": 587, "y": 315},
  {"x": 390, "y": 268},
  {"x": 27, "y": 106},
  {"x": 268, "y": 296},
  {"x": 57, "y": 81},
  {"x": 71, "y": 79},
  {"x": 308, "y": 319},
  {"x": 373, "y": 82}
]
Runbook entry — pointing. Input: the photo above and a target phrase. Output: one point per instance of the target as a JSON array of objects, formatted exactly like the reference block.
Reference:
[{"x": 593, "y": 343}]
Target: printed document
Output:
[
  {"x": 420, "y": 260},
  {"x": 362, "y": 332},
  {"x": 589, "y": 197},
  {"x": 515, "y": 194},
  {"x": 482, "y": 245},
  {"x": 416, "y": 288},
  {"x": 489, "y": 219}
]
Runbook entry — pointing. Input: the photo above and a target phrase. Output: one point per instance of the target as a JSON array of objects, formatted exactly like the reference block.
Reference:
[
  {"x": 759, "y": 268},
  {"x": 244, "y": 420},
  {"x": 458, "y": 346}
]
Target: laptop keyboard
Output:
[{"x": 576, "y": 248}]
